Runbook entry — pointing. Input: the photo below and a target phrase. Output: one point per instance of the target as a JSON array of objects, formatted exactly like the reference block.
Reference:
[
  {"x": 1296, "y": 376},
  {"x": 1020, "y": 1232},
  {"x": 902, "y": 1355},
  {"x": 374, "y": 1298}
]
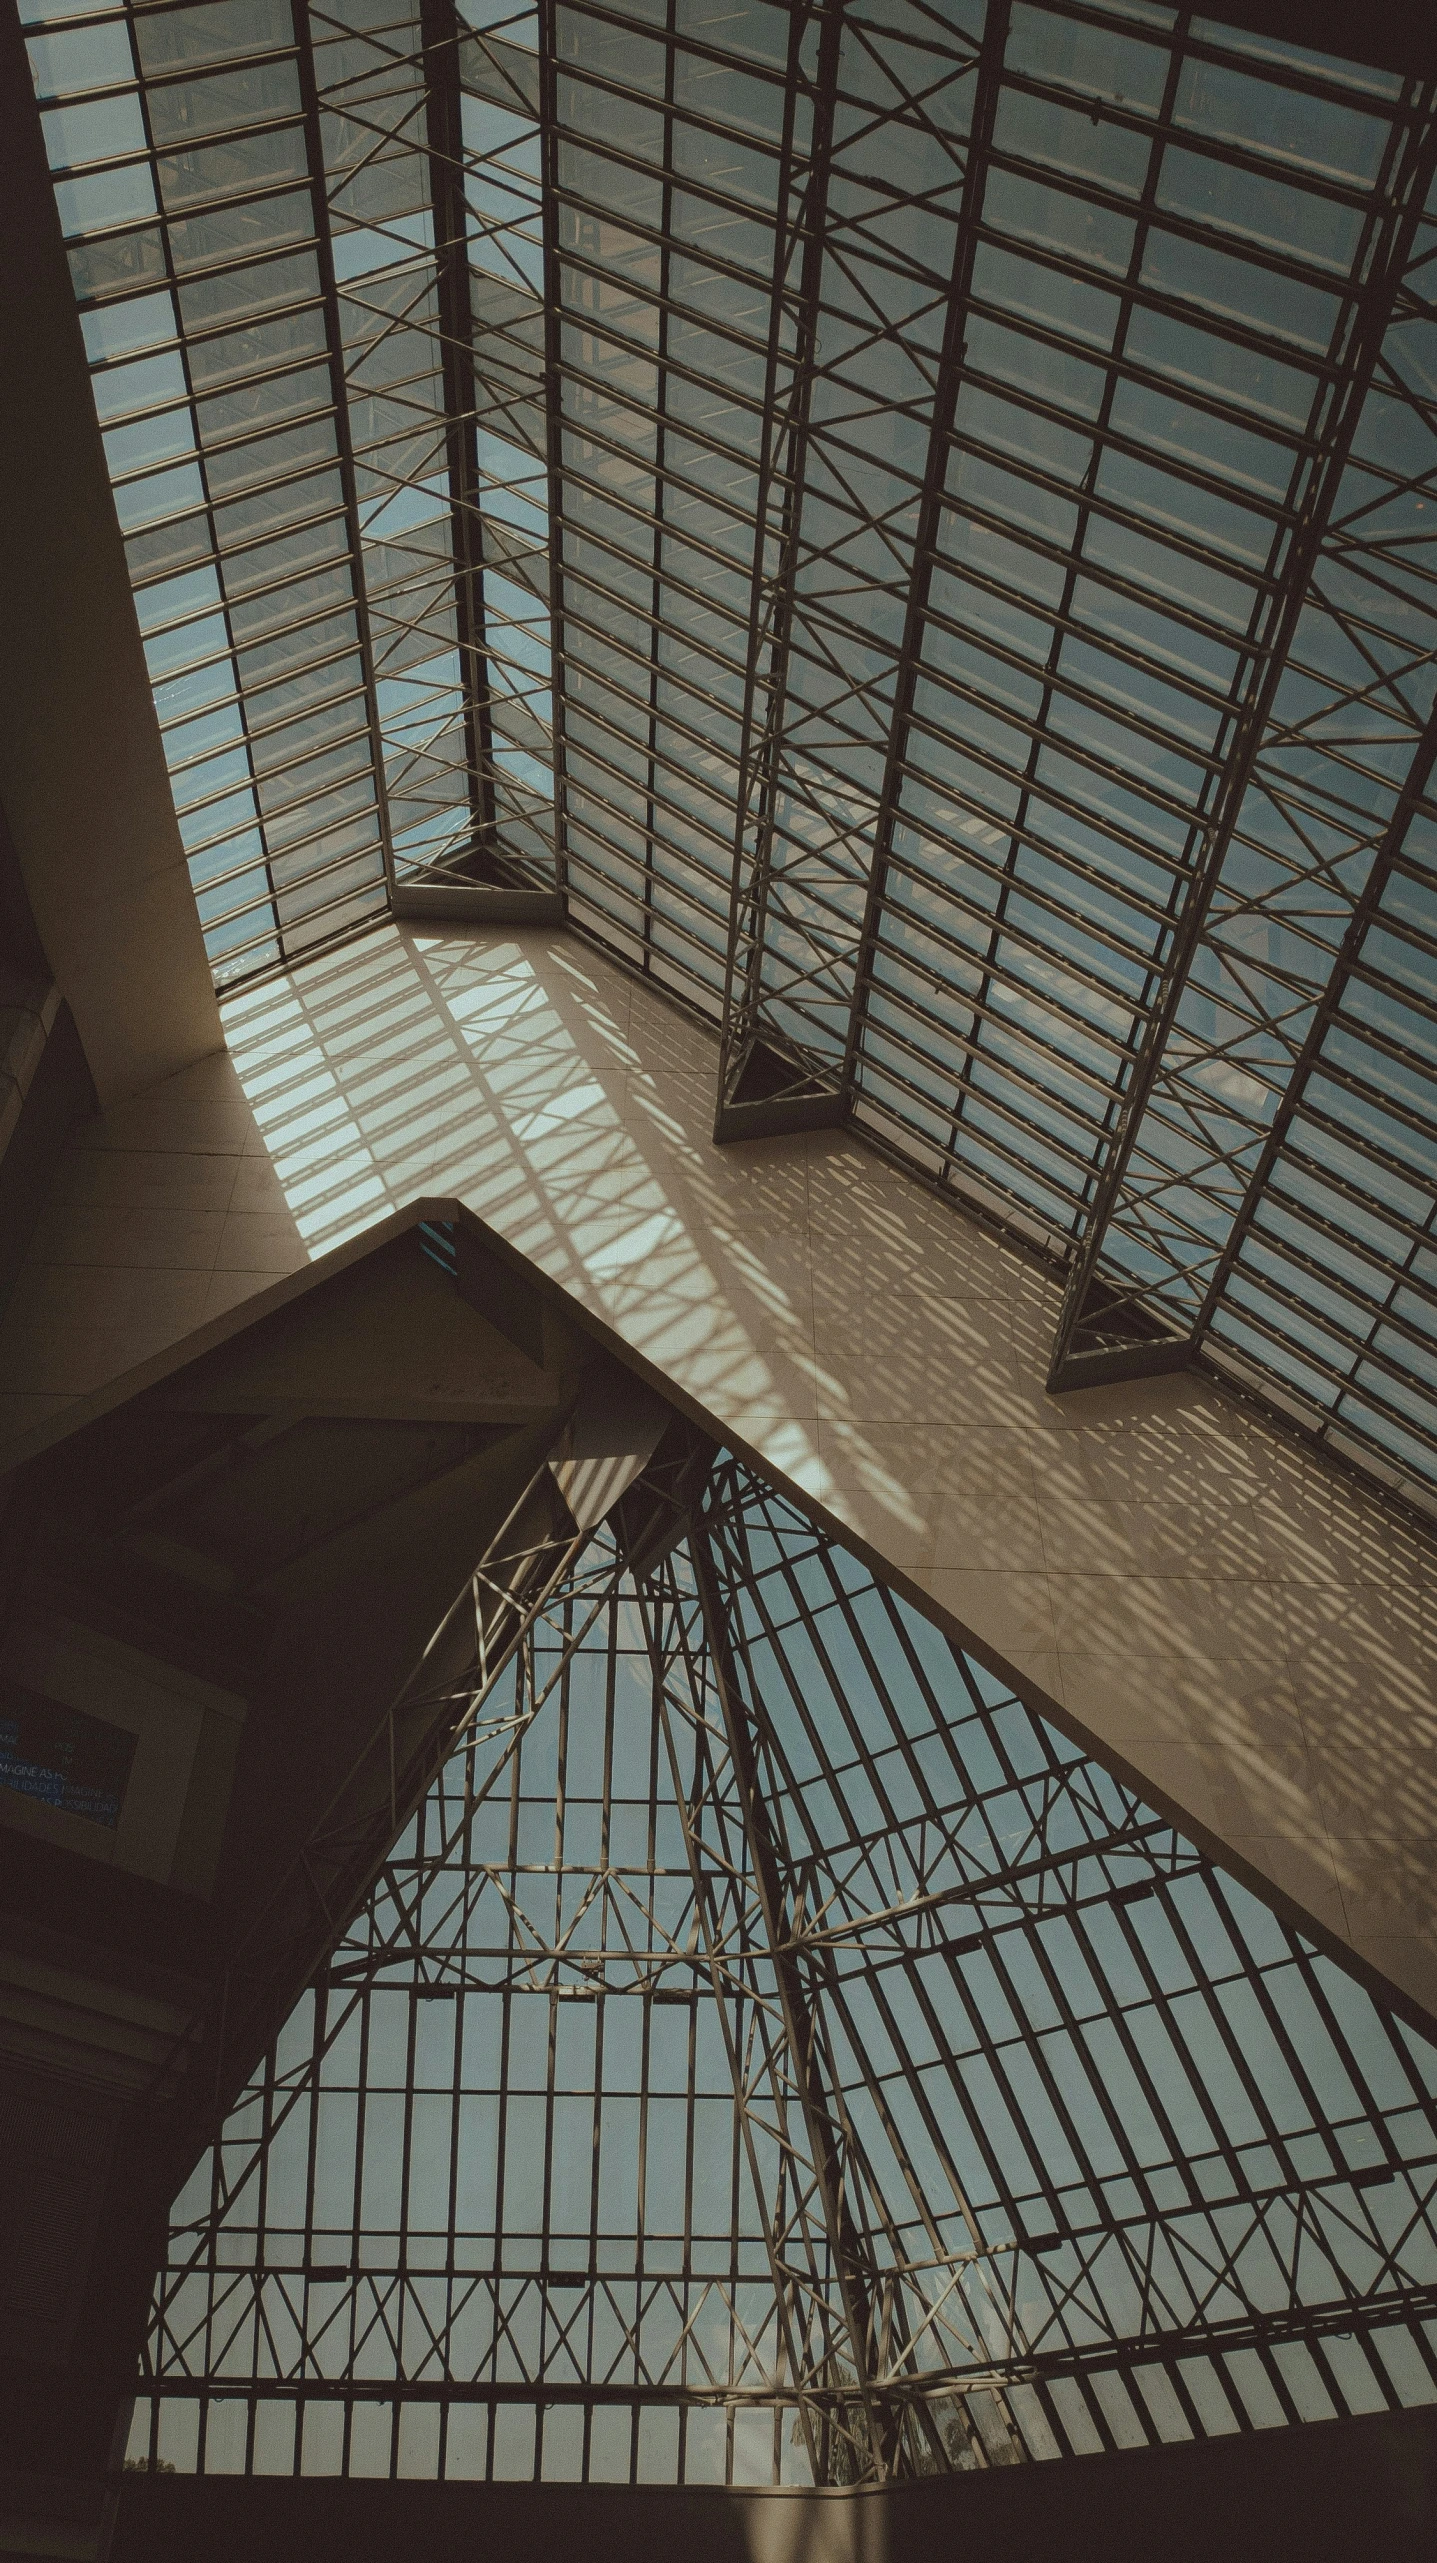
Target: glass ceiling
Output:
[
  {"x": 909, "y": 514},
  {"x": 773, "y": 2053}
]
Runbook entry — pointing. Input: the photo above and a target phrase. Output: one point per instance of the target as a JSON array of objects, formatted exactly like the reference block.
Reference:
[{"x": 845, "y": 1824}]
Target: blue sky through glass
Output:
[{"x": 526, "y": 2185}]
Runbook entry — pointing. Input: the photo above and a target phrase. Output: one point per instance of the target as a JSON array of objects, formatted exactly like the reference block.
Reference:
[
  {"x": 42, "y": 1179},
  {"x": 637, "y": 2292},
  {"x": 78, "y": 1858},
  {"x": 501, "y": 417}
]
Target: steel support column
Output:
[
  {"x": 1132, "y": 1341},
  {"x": 669, "y": 1637},
  {"x": 852, "y": 2261},
  {"x": 442, "y": 32},
  {"x": 930, "y": 514},
  {"x": 761, "y": 1090},
  {"x": 554, "y": 416},
  {"x": 343, "y": 430},
  {"x": 1419, "y": 775}
]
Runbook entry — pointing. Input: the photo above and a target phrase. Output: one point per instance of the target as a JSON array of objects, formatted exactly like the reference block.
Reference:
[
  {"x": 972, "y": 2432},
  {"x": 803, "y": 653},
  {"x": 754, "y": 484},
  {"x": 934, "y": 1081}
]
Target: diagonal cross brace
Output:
[
  {"x": 1394, "y": 216},
  {"x": 925, "y": 545},
  {"x": 1419, "y": 774},
  {"x": 856, "y": 2278},
  {"x": 788, "y": 388},
  {"x": 443, "y": 32}
]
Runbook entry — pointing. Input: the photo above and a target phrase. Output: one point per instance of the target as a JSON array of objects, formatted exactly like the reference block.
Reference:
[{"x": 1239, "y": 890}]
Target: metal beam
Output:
[
  {"x": 1076, "y": 566},
  {"x": 1349, "y": 953},
  {"x": 664, "y": 1616},
  {"x": 762, "y": 1090},
  {"x": 856, "y": 2277},
  {"x": 930, "y": 514},
  {"x": 443, "y": 32},
  {"x": 343, "y": 430},
  {"x": 554, "y": 416}
]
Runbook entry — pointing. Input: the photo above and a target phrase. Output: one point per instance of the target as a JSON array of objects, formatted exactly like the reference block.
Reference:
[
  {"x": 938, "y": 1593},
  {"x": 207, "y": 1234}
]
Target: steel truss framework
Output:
[
  {"x": 770, "y": 2052},
  {"x": 922, "y": 510},
  {"x": 296, "y": 232}
]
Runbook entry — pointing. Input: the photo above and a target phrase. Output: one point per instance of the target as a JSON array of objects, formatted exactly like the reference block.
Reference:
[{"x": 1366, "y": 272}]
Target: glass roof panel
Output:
[
  {"x": 1295, "y": 946},
  {"x": 918, "y": 514},
  {"x": 329, "y": 611},
  {"x": 774, "y": 2054}
]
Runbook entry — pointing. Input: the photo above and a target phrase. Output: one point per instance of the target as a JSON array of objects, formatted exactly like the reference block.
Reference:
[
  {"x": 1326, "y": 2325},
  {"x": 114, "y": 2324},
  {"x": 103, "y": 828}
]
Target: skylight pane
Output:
[{"x": 773, "y": 2053}]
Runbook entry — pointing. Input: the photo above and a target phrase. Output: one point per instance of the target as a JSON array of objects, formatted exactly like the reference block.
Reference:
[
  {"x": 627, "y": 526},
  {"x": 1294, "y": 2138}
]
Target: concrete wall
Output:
[
  {"x": 1209, "y": 1604},
  {"x": 45, "y": 1085}
]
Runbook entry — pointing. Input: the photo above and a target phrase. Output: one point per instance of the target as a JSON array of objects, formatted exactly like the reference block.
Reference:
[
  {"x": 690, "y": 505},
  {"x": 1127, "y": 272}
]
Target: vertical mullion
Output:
[
  {"x": 661, "y": 403},
  {"x": 1414, "y": 788},
  {"x": 1368, "y": 299},
  {"x": 202, "y": 467},
  {"x": 799, "y": 224},
  {"x": 930, "y": 514},
  {"x": 1073, "y": 570},
  {"x": 802, "y": 2028},
  {"x": 343, "y": 425},
  {"x": 444, "y": 129},
  {"x": 554, "y": 418}
]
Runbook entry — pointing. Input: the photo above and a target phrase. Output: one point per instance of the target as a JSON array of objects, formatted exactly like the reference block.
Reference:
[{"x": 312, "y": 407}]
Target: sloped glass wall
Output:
[{"x": 775, "y": 2054}]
